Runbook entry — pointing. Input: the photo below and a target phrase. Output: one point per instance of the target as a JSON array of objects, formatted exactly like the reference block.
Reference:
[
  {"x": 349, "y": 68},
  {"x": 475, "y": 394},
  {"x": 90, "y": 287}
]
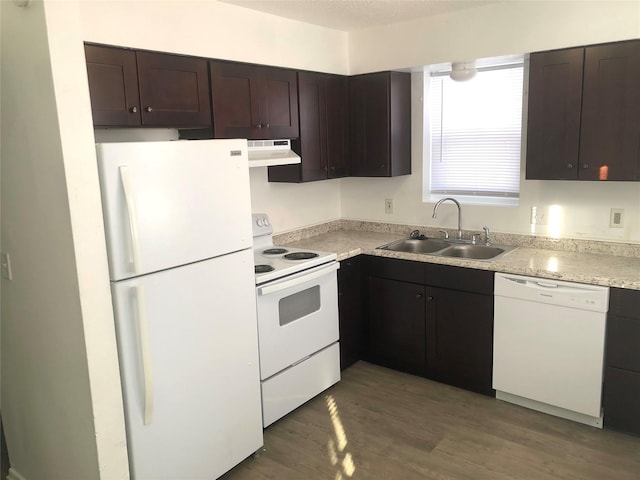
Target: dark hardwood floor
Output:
[{"x": 381, "y": 424}]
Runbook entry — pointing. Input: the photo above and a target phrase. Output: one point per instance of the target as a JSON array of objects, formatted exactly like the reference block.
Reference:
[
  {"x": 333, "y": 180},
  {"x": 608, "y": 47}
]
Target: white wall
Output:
[
  {"x": 215, "y": 30},
  {"x": 61, "y": 400},
  {"x": 291, "y": 205},
  {"x": 504, "y": 28}
]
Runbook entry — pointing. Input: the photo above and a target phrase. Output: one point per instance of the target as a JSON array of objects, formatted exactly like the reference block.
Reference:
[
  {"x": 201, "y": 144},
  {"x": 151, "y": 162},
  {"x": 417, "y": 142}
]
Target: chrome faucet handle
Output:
[
  {"x": 445, "y": 234},
  {"x": 486, "y": 235},
  {"x": 414, "y": 234},
  {"x": 474, "y": 238}
]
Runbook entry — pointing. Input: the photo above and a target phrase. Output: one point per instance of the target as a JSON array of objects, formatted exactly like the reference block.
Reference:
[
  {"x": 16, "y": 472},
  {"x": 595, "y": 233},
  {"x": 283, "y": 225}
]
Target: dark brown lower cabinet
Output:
[
  {"x": 621, "y": 400},
  {"x": 460, "y": 339},
  {"x": 397, "y": 324},
  {"x": 350, "y": 307},
  {"x": 431, "y": 320},
  {"x": 621, "y": 392}
]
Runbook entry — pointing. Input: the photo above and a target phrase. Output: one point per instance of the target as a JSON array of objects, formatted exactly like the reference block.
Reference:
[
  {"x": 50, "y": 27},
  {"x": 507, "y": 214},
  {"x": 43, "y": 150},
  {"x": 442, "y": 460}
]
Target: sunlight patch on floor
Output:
[{"x": 336, "y": 446}]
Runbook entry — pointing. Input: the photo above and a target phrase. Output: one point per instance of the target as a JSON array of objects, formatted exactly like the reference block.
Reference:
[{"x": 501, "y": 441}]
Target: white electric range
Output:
[{"x": 297, "y": 305}]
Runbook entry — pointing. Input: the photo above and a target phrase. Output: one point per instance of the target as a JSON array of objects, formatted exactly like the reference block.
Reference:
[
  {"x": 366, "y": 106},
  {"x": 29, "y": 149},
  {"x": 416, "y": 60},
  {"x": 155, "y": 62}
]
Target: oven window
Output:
[{"x": 299, "y": 305}]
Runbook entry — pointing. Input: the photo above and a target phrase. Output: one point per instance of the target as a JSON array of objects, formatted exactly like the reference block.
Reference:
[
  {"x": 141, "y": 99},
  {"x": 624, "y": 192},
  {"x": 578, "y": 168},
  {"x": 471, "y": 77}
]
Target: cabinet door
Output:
[
  {"x": 322, "y": 146},
  {"x": 350, "y": 307},
  {"x": 254, "y": 102},
  {"x": 460, "y": 338},
  {"x": 370, "y": 127},
  {"x": 235, "y": 99},
  {"x": 337, "y": 126},
  {"x": 553, "y": 129},
  {"x": 113, "y": 85},
  {"x": 278, "y": 103},
  {"x": 174, "y": 90},
  {"x": 620, "y": 400},
  {"x": 610, "y": 139},
  {"x": 396, "y": 324},
  {"x": 313, "y": 126}
]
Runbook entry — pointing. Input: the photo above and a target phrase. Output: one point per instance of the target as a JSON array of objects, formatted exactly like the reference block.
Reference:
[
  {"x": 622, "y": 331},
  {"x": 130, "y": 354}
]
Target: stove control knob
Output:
[
  {"x": 260, "y": 222},
  {"x": 266, "y": 222}
]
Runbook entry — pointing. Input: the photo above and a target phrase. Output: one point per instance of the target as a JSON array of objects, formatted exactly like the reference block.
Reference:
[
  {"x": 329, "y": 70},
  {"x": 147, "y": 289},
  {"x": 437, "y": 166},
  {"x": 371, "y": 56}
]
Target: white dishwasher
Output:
[{"x": 548, "y": 346}]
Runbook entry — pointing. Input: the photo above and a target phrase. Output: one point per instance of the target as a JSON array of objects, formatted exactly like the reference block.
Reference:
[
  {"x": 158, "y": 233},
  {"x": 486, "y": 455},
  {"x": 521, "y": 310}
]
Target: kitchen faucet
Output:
[{"x": 435, "y": 213}]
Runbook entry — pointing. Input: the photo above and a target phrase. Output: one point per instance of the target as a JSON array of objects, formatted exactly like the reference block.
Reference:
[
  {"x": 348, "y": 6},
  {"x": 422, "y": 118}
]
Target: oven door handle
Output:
[{"x": 304, "y": 277}]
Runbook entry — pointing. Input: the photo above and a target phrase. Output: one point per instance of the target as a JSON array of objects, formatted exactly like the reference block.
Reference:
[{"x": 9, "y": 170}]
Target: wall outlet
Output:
[
  {"x": 539, "y": 216},
  {"x": 616, "y": 218},
  {"x": 388, "y": 205}
]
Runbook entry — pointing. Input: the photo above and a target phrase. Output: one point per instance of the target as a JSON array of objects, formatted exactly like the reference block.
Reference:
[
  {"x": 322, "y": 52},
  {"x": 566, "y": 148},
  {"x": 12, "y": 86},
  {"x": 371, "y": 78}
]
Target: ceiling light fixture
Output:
[{"x": 463, "y": 71}]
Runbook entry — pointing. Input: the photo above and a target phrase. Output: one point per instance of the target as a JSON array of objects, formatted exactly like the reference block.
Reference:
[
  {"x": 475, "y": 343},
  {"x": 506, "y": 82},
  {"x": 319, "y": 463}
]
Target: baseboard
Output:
[{"x": 13, "y": 475}]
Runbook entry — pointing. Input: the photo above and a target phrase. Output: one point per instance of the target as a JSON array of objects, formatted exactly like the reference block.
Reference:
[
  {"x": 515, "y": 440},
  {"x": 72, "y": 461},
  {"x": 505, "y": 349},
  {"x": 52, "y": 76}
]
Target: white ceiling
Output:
[{"x": 351, "y": 15}]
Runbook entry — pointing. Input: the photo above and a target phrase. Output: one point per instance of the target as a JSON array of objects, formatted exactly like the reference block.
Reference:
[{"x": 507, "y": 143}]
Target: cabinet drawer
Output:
[
  {"x": 396, "y": 269},
  {"x": 621, "y": 405},
  {"x": 460, "y": 278},
  {"x": 624, "y": 302}
]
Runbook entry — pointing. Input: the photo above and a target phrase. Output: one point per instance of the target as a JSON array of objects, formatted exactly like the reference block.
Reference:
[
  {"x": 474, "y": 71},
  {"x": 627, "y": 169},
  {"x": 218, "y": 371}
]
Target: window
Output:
[{"x": 475, "y": 135}]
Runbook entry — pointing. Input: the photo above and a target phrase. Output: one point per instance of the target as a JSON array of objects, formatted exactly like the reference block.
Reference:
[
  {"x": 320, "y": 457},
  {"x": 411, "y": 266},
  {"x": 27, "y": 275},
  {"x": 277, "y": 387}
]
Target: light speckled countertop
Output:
[{"x": 575, "y": 266}]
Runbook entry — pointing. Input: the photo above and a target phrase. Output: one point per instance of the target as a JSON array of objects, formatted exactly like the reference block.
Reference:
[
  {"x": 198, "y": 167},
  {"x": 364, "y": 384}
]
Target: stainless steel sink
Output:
[
  {"x": 475, "y": 252},
  {"x": 416, "y": 245},
  {"x": 442, "y": 248}
]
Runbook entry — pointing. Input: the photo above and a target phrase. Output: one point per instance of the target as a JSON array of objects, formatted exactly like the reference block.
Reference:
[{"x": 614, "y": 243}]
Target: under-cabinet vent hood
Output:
[{"x": 265, "y": 153}]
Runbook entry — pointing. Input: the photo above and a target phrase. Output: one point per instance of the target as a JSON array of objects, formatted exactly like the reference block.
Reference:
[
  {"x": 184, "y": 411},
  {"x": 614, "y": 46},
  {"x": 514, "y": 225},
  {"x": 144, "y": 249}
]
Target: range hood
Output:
[{"x": 265, "y": 153}]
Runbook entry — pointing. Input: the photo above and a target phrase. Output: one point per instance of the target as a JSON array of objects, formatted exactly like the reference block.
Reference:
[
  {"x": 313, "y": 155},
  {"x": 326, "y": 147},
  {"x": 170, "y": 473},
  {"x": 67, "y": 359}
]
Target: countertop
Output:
[{"x": 590, "y": 268}]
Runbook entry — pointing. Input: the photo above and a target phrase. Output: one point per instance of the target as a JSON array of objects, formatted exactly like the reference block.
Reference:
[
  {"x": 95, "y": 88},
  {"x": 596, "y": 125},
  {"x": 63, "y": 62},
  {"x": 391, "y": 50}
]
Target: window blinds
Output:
[{"x": 475, "y": 133}]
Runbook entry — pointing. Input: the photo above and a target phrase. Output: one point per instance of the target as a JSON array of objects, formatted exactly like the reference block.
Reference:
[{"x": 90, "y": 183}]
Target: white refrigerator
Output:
[{"x": 178, "y": 225}]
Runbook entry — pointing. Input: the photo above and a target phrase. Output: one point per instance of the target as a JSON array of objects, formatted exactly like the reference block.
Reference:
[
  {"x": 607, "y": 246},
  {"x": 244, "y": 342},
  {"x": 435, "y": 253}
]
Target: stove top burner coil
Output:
[
  {"x": 274, "y": 251},
  {"x": 300, "y": 255},
  {"x": 263, "y": 268}
]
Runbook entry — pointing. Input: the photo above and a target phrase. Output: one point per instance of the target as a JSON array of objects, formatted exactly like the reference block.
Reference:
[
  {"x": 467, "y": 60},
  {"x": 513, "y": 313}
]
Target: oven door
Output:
[{"x": 297, "y": 316}]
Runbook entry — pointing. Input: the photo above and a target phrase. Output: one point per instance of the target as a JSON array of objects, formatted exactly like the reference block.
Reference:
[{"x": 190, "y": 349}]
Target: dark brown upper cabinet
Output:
[
  {"x": 113, "y": 85},
  {"x": 323, "y": 141},
  {"x": 136, "y": 88},
  {"x": 380, "y": 124},
  {"x": 584, "y": 113},
  {"x": 553, "y": 129},
  {"x": 253, "y": 101}
]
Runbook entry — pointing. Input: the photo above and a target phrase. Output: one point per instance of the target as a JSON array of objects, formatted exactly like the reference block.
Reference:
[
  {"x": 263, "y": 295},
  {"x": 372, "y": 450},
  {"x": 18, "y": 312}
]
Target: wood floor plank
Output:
[{"x": 381, "y": 424}]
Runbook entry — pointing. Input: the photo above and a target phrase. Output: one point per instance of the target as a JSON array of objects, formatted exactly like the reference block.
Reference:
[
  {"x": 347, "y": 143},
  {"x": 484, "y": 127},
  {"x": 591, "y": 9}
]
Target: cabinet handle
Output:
[
  {"x": 429, "y": 298},
  {"x": 585, "y": 166},
  {"x": 418, "y": 295},
  {"x": 267, "y": 125},
  {"x": 569, "y": 165},
  {"x": 259, "y": 125},
  {"x": 148, "y": 109},
  {"x": 133, "y": 109}
]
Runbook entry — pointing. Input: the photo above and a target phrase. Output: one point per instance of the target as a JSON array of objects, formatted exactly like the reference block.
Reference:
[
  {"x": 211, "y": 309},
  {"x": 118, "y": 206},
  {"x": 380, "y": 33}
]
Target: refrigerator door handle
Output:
[
  {"x": 133, "y": 219},
  {"x": 145, "y": 353}
]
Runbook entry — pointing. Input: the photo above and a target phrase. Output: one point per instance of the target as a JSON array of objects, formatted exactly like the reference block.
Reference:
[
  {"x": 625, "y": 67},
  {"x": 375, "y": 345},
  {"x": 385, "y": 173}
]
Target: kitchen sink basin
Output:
[
  {"x": 416, "y": 245},
  {"x": 476, "y": 252},
  {"x": 443, "y": 248}
]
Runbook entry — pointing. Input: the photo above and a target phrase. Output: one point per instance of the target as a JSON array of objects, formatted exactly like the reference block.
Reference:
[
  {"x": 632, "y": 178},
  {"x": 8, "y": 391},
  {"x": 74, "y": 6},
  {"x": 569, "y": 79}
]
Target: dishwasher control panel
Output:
[{"x": 568, "y": 294}]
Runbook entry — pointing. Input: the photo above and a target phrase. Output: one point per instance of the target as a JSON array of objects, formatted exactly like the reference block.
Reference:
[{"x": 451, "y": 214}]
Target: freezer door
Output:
[
  {"x": 188, "y": 351},
  {"x": 172, "y": 203}
]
